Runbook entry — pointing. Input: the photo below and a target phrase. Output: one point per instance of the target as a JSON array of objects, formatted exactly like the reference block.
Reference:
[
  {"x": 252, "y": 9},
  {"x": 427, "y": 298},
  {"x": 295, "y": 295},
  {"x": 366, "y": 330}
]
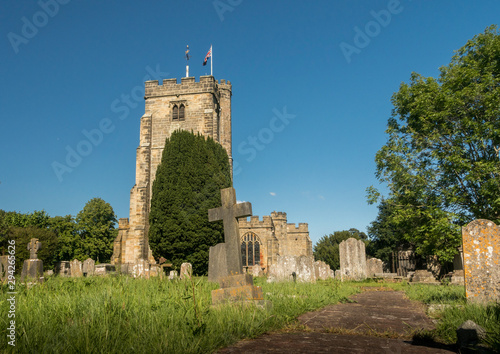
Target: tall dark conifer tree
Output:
[{"x": 188, "y": 180}]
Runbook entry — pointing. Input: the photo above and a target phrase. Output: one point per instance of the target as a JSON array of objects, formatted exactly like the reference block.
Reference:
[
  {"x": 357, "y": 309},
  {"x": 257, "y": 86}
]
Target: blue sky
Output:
[{"x": 329, "y": 67}]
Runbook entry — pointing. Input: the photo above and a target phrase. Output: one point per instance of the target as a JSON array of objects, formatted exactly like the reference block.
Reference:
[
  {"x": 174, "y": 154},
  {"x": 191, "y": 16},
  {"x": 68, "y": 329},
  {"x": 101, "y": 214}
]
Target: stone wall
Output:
[{"x": 207, "y": 111}]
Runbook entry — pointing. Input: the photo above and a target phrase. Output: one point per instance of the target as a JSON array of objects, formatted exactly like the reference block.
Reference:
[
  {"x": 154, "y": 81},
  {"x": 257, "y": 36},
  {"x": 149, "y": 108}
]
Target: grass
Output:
[{"x": 125, "y": 315}]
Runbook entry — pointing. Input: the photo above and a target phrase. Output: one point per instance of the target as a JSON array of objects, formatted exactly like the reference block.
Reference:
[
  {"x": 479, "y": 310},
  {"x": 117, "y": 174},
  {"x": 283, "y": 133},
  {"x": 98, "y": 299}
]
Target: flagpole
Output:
[{"x": 212, "y": 61}]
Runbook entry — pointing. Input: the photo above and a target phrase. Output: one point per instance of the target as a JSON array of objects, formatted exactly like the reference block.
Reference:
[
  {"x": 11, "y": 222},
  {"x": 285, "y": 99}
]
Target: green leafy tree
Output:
[
  {"x": 441, "y": 160},
  {"x": 193, "y": 169},
  {"x": 327, "y": 248},
  {"x": 96, "y": 228},
  {"x": 69, "y": 241}
]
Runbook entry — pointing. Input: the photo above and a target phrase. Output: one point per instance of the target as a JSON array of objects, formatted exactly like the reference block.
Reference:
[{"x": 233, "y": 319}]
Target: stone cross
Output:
[
  {"x": 34, "y": 246},
  {"x": 229, "y": 213}
]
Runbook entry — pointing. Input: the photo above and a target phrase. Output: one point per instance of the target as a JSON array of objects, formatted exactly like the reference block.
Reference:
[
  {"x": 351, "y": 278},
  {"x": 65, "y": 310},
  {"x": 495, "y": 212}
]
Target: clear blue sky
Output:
[{"x": 332, "y": 64}]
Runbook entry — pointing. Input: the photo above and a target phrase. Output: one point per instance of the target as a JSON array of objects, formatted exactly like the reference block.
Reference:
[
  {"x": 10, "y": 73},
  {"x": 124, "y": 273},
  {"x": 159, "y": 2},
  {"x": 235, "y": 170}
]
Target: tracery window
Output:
[
  {"x": 175, "y": 113},
  {"x": 250, "y": 249}
]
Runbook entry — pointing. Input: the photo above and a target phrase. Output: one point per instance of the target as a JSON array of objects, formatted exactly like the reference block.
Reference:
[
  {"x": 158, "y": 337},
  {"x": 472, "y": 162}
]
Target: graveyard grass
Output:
[{"x": 121, "y": 314}]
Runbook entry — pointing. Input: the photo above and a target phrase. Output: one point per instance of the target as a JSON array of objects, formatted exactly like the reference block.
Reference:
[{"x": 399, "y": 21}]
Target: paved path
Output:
[{"x": 376, "y": 321}]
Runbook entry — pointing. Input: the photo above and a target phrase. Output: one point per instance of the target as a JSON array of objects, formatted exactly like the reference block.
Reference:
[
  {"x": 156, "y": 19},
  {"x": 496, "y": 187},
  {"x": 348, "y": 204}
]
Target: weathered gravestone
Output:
[
  {"x": 256, "y": 270},
  {"x": 352, "y": 259},
  {"x": 292, "y": 268},
  {"x": 173, "y": 275},
  {"x": 33, "y": 267},
  {"x": 63, "y": 269},
  {"x": 225, "y": 258},
  {"x": 186, "y": 271},
  {"x": 76, "y": 268},
  {"x": 225, "y": 264},
  {"x": 105, "y": 269},
  {"x": 322, "y": 270},
  {"x": 88, "y": 267},
  {"x": 481, "y": 249},
  {"x": 374, "y": 266}
]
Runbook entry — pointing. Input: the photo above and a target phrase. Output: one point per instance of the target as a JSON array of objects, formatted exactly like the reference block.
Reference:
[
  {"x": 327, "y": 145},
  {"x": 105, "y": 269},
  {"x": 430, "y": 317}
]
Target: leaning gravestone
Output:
[
  {"x": 33, "y": 267},
  {"x": 352, "y": 259},
  {"x": 88, "y": 267},
  {"x": 186, "y": 271},
  {"x": 76, "y": 268},
  {"x": 481, "y": 250},
  {"x": 225, "y": 264}
]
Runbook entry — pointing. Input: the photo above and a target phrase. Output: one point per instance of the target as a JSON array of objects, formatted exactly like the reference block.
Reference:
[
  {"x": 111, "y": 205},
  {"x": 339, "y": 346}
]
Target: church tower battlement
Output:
[{"x": 201, "y": 107}]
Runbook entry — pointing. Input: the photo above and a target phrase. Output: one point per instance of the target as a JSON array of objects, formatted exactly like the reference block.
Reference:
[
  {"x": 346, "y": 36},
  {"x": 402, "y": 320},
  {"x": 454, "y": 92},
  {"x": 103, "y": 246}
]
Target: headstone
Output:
[
  {"x": 105, "y": 269},
  {"x": 173, "y": 275},
  {"x": 63, "y": 269},
  {"x": 33, "y": 267},
  {"x": 225, "y": 265},
  {"x": 434, "y": 266},
  {"x": 374, "y": 266},
  {"x": 76, "y": 268},
  {"x": 285, "y": 266},
  {"x": 423, "y": 276},
  {"x": 481, "y": 247},
  {"x": 352, "y": 259},
  {"x": 256, "y": 270},
  {"x": 322, "y": 270},
  {"x": 218, "y": 265},
  {"x": 88, "y": 267},
  {"x": 469, "y": 334},
  {"x": 186, "y": 271}
]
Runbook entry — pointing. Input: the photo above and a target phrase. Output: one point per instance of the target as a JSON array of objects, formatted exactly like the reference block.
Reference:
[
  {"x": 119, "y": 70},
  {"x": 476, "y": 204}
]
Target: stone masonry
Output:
[
  {"x": 481, "y": 247},
  {"x": 275, "y": 237},
  {"x": 206, "y": 109}
]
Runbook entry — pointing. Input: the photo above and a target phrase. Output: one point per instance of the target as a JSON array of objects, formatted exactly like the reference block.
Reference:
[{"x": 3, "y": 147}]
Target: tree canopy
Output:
[
  {"x": 441, "y": 160},
  {"x": 188, "y": 180}
]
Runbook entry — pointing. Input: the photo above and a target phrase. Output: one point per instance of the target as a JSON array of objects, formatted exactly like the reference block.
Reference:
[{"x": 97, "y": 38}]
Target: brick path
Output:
[{"x": 376, "y": 322}]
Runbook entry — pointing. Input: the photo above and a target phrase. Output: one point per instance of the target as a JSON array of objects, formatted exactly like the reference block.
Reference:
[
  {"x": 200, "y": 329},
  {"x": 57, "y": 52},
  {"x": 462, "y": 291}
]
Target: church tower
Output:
[{"x": 202, "y": 107}]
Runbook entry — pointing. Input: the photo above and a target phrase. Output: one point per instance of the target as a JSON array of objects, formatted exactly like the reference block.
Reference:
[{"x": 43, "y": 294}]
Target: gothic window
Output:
[
  {"x": 175, "y": 113},
  {"x": 181, "y": 112},
  {"x": 250, "y": 250}
]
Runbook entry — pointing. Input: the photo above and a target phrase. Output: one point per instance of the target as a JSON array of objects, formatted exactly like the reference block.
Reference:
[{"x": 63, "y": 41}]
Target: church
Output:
[{"x": 203, "y": 107}]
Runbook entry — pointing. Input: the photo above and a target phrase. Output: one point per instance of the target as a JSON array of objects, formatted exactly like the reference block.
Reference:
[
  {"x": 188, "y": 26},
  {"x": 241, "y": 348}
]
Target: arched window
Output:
[
  {"x": 250, "y": 249},
  {"x": 175, "y": 113},
  {"x": 181, "y": 112}
]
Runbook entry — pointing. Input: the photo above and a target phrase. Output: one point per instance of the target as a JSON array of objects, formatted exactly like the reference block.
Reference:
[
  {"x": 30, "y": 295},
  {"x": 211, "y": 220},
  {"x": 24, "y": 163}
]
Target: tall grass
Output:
[{"x": 125, "y": 315}]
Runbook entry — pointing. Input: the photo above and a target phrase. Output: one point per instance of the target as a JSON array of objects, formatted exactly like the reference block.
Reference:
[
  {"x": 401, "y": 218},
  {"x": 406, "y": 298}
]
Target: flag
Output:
[{"x": 209, "y": 54}]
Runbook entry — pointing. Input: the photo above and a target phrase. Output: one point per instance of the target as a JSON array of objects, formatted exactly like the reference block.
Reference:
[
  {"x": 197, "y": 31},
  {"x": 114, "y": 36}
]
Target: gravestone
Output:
[
  {"x": 322, "y": 270},
  {"x": 352, "y": 259},
  {"x": 33, "y": 267},
  {"x": 374, "y": 266},
  {"x": 423, "y": 276},
  {"x": 186, "y": 270},
  {"x": 104, "y": 269},
  {"x": 256, "y": 270},
  {"x": 140, "y": 269},
  {"x": 63, "y": 269},
  {"x": 225, "y": 264},
  {"x": 481, "y": 249},
  {"x": 285, "y": 266},
  {"x": 88, "y": 267},
  {"x": 76, "y": 268},
  {"x": 173, "y": 275},
  {"x": 225, "y": 258}
]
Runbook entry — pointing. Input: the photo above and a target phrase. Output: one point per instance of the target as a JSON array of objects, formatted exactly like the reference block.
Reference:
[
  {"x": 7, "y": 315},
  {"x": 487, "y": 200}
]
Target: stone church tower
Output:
[{"x": 202, "y": 107}]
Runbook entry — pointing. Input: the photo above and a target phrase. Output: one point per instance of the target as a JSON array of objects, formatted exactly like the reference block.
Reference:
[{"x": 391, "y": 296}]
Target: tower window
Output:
[
  {"x": 250, "y": 250},
  {"x": 175, "y": 113},
  {"x": 181, "y": 112}
]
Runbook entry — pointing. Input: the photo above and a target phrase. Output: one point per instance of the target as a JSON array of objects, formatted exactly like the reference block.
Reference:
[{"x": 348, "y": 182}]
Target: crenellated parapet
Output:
[
  {"x": 255, "y": 222},
  {"x": 292, "y": 228},
  {"x": 187, "y": 86}
]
